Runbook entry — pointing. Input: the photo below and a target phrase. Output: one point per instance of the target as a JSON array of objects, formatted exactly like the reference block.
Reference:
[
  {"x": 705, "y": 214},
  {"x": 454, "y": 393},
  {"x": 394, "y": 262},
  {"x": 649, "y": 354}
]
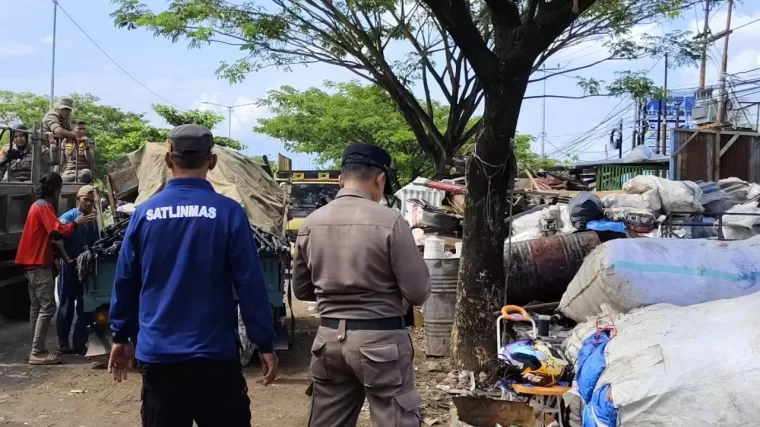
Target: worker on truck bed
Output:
[
  {"x": 184, "y": 252},
  {"x": 35, "y": 254},
  {"x": 57, "y": 122},
  {"x": 20, "y": 169},
  {"x": 359, "y": 261},
  {"x": 70, "y": 288},
  {"x": 78, "y": 158}
]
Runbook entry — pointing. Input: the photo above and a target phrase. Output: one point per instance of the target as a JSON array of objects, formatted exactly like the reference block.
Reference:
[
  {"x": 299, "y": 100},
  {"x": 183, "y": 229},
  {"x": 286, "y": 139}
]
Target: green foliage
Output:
[
  {"x": 318, "y": 122},
  {"x": 205, "y": 118},
  {"x": 357, "y": 34}
]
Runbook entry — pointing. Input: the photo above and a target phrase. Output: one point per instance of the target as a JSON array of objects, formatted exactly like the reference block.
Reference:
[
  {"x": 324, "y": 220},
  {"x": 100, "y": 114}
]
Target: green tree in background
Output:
[
  {"x": 322, "y": 123},
  {"x": 205, "y": 118}
]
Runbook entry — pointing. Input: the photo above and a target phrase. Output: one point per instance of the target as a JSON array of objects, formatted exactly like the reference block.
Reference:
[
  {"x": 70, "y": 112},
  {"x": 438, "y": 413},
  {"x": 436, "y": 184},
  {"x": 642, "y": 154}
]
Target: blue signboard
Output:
[{"x": 683, "y": 102}]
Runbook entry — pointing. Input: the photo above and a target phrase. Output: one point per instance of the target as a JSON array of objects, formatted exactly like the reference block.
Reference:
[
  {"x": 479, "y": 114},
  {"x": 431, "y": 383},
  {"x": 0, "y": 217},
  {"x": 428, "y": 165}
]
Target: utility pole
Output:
[
  {"x": 635, "y": 135},
  {"x": 722, "y": 95},
  {"x": 723, "y": 66},
  {"x": 664, "y": 117},
  {"x": 705, "y": 29},
  {"x": 52, "y": 71},
  {"x": 229, "y": 113},
  {"x": 543, "y": 110}
]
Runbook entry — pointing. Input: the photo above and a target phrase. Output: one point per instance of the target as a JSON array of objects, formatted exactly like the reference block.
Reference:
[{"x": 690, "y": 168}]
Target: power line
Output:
[
  {"x": 744, "y": 25},
  {"x": 114, "y": 61}
]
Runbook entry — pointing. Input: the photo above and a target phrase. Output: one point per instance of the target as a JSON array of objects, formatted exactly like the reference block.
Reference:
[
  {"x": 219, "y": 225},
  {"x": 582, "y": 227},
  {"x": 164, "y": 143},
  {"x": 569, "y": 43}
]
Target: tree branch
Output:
[{"x": 455, "y": 16}]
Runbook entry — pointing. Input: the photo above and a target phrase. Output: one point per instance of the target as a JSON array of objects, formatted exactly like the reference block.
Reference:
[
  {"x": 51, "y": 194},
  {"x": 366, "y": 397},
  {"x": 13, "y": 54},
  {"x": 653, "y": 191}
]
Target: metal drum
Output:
[
  {"x": 542, "y": 268},
  {"x": 438, "y": 310}
]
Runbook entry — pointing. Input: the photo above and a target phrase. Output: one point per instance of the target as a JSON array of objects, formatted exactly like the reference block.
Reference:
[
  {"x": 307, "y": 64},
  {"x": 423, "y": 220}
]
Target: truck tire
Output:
[{"x": 14, "y": 301}]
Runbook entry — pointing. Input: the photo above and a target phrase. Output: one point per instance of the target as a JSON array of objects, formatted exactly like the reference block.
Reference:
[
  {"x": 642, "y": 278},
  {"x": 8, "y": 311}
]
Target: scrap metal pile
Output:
[{"x": 113, "y": 235}]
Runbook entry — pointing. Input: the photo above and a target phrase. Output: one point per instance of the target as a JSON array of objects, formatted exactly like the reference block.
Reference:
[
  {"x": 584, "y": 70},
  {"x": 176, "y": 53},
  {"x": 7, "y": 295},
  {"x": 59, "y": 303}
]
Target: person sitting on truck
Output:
[
  {"x": 56, "y": 121},
  {"x": 78, "y": 158},
  {"x": 35, "y": 255},
  {"x": 20, "y": 169},
  {"x": 70, "y": 288},
  {"x": 180, "y": 302}
]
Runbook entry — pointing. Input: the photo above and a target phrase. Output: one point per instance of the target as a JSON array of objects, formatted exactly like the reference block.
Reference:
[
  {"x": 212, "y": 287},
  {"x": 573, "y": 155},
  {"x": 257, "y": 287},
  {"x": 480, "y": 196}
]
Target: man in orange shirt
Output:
[{"x": 35, "y": 254}]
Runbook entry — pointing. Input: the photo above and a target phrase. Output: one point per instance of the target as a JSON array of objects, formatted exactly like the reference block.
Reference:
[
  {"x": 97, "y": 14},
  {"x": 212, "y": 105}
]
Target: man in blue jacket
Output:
[
  {"x": 70, "y": 288},
  {"x": 184, "y": 252}
]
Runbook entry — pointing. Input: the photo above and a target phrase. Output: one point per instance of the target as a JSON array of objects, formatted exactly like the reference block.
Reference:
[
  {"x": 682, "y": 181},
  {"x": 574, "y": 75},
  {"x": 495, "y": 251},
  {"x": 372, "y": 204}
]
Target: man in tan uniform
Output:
[
  {"x": 358, "y": 260},
  {"x": 56, "y": 121},
  {"x": 78, "y": 158}
]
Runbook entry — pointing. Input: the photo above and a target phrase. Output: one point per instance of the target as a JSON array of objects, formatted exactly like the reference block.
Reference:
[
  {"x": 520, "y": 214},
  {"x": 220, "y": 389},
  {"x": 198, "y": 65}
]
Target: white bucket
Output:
[{"x": 434, "y": 248}]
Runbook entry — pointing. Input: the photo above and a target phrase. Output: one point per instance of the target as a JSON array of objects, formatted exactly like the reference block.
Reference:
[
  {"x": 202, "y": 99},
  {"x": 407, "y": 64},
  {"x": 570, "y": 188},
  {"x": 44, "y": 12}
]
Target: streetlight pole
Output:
[
  {"x": 543, "y": 110},
  {"x": 52, "y": 72},
  {"x": 229, "y": 113}
]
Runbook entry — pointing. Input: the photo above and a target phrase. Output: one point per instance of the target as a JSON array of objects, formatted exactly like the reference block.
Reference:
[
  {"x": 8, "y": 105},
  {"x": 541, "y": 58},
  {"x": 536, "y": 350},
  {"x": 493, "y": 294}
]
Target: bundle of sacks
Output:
[{"x": 695, "y": 366}]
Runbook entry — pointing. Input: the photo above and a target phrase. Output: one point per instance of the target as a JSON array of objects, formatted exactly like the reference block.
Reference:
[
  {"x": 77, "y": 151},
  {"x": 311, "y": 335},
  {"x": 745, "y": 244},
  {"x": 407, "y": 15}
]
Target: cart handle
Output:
[{"x": 515, "y": 313}]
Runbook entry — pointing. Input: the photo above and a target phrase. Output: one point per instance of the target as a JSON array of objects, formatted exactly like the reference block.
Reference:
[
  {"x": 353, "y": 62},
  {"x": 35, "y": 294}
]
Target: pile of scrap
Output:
[{"x": 143, "y": 173}]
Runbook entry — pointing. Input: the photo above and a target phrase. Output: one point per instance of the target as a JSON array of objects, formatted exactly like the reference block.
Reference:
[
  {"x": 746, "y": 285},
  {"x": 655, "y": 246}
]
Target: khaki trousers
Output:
[
  {"x": 346, "y": 366},
  {"x": 42, "y": 308}
]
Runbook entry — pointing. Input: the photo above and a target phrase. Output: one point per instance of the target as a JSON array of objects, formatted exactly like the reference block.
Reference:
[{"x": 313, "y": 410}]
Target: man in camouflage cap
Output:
[{"x": 56, "y": 121}]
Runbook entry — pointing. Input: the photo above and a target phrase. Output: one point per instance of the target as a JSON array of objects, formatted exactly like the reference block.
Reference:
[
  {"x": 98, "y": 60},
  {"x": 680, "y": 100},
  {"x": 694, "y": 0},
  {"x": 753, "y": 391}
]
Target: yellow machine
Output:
[{"x": 307, "y": 191}]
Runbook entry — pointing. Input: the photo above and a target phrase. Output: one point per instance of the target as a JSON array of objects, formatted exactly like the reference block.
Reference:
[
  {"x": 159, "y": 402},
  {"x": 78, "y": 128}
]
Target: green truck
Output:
[
  {"x": 139, "y": 175},
  {"x": 15, "y": 200}
]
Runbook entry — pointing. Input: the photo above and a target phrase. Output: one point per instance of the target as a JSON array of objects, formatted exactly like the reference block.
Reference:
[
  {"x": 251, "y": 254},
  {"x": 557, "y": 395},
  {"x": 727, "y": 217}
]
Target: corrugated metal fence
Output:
[{"x": 694, "y": 153}]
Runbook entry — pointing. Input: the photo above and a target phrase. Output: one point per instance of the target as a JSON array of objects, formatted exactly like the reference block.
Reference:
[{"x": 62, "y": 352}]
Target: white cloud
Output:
[
  {"x": 48, "y": 40},
  {"x": 16, "y": 49}
]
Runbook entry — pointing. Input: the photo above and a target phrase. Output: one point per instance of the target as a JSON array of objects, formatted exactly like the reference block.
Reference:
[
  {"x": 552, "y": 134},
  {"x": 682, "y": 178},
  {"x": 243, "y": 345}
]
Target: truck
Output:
[
  {"x": 136, "y": 177},
  {"x": 306, "y": 191},
  {"x": 15, "y": 200}
]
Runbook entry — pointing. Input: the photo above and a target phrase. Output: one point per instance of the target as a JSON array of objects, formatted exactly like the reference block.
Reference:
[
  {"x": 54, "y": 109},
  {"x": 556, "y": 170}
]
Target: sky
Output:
[{"x": 135, "y": 69}]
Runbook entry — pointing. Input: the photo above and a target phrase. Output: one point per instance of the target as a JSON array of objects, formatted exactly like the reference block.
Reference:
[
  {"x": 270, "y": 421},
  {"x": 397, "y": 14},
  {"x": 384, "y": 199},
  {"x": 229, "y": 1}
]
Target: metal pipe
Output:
[{"x": 52, "y": 70}]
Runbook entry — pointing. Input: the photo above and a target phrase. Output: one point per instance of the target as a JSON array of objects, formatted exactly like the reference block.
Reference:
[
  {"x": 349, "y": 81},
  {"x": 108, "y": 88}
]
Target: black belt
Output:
[{"x": 384, "y": 324}]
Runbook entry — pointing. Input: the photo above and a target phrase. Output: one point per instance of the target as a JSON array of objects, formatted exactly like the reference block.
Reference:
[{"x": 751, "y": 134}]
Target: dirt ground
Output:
[{"x": 76, "y": 395}]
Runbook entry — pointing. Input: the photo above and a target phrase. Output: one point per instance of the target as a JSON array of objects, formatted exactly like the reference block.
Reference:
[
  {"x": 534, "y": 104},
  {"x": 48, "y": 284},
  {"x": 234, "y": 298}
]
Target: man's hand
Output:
[
  {"x": 85, "y": 141},
  {"x": 84, "y": 219},
  {"x": 120, "y": 362},
  {"x": 268, "y": 367}
]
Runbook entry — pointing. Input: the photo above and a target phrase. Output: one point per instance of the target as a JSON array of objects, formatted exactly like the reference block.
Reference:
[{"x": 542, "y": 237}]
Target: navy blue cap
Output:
[
  {"x": 369, "y": 155},
  {"x": 190, "y": 140}
]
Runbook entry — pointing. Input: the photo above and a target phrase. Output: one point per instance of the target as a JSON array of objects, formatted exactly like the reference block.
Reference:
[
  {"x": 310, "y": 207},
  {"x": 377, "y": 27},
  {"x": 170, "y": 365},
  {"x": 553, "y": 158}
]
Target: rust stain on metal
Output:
[{"x": 542, "y": 268}]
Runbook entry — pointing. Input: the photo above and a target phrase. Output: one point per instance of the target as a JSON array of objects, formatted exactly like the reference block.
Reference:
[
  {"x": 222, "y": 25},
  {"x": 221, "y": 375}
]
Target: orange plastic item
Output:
[
  {"x": 510, "y": 312},
  {"x": 541, "y": 391}
]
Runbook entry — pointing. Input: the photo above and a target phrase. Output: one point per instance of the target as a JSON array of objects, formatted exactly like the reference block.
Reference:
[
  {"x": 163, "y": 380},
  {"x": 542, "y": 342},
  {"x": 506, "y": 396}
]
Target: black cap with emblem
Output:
[
  {"x": 369, "y": 155},
  {"x": 190, "y": 140}
]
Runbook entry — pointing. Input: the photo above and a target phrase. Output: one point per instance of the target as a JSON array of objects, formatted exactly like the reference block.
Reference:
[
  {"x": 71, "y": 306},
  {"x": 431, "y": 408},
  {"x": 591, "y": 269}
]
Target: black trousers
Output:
[{"x": 211, "y": 393}]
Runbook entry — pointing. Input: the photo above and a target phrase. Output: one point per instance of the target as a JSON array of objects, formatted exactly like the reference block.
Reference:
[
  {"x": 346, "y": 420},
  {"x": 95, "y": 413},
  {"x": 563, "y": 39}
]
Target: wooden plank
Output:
[
  {"x": 729, "y": 144},
  {"x": 754, "y": 160},
  {"x": 111, "y": 197},
  {"x": 710, "y": 164},
  {"x": 716, "y": 156},
  {"x": 691, "y": 138}
]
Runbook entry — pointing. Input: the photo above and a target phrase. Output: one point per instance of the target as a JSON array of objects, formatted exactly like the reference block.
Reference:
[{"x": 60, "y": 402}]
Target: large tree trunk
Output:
[{"x": 490, "y": 172}]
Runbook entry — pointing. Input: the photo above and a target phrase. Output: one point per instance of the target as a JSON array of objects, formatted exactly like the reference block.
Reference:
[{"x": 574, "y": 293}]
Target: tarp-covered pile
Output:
[{"x": 234, "y": 176}]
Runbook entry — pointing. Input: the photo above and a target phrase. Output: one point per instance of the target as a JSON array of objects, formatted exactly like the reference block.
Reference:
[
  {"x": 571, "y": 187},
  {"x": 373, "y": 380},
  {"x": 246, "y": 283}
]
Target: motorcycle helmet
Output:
[{"x": 538, "y": 363}]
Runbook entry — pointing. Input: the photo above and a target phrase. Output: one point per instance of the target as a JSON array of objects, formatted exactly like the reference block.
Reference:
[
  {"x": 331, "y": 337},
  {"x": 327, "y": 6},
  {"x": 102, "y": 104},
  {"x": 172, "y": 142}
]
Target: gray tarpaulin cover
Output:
[{"x": 235, "y": 176}]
